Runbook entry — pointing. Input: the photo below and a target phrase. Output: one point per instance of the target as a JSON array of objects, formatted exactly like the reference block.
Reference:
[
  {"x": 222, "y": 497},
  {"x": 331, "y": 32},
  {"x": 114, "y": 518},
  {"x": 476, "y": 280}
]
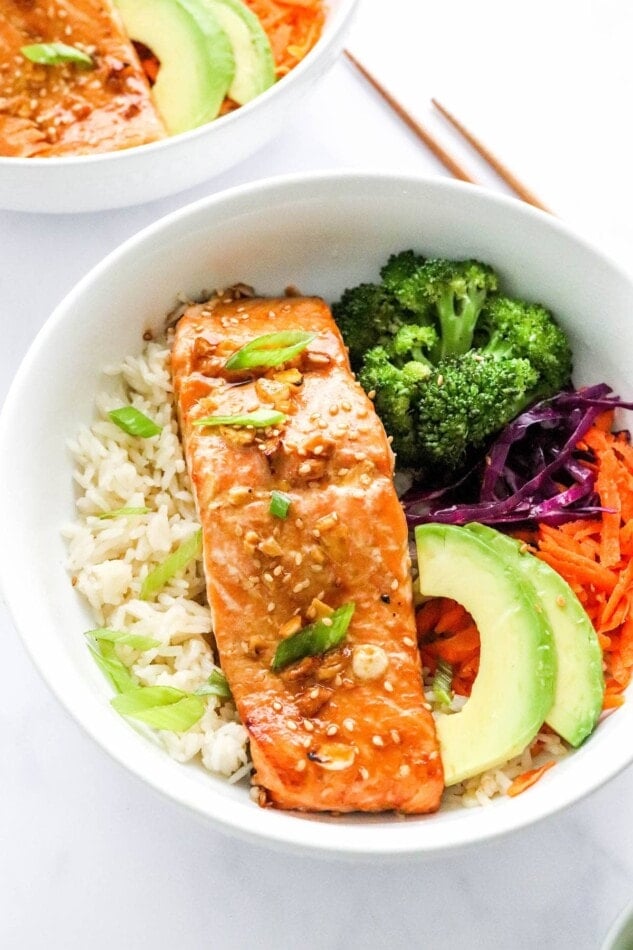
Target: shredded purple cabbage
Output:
[{"x": 534, "y": 471}]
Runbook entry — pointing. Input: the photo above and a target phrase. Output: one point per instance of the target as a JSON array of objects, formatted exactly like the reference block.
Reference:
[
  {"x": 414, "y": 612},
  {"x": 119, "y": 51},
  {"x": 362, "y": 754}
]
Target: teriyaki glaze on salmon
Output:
[{"x": 304, "y": 538}]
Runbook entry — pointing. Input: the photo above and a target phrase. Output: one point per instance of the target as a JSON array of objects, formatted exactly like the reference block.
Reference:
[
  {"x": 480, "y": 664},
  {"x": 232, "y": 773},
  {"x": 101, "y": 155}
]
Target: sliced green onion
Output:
[
  {"x": 123, "y": 512},
  {"x": 188, "y": 551},
  {"x": 279, "y": 504},
  {"x": 109, "y": 663},
  {"x": 442, "y": 684},
  {"x": 56, "y": 54},
  {"x": 134, "y": 640},
  {"x": 315, "y": 639},
  {"x": 260, "y": 419},
  {"x": 162, "y": 707},
  {"x": 216, "y": 685},
  {"x": 134, "y": 422},
  {"x": 271, "y": 349}
]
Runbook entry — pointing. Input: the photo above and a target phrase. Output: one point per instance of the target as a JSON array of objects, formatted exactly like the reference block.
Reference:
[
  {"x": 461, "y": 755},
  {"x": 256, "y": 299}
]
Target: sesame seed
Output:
[
  {"x": 404, "y": 770},
  {"x": 277, "y": 571},
  {"x": 277, "y": 706},
  {"x": 371, "y": 394},
  {"x": 314, "y": 693},
  {"x": 364, "y": 774},
  {"x": 360, "y": 456},
  {"x": 560, "y": 600},
  {"x": 365, "y": 480},
  {"x": 331, "y": 730},
  {"x": 433, "y": 755},
  {"x": 318, "y": 450},
  {"x": 427, "y": 706},
  {"x": 239, "y": 530},
  {"x": 362, "y": 413},
  {"x": 394, "y": 584},
  {"x": 349, "y": 724},
  {"x": 345, "y": 406},
  {"x": 342, "y": 472},
  {"x": 308, "y": 726},
  {"x": 377, "y": 741},
  {"x": 271, "y": 606},
  {"x": 317, "y": 568},
  {"x": 298, "y": 559},
  {"x": 306, "y": 742},
  {"x": 300, "y": 586},
  {"x": 244, "y": 646},
  {"x": 292, "y": 725},
  {"x": 388, "y": 686},
  {"x": 268, "y": 578},
  {"x": 301, "y": 764},
  {"x": 326, "y": 621},
  {"x": 395, "y": 735},
  {"x": 408, "y": 642},
  {"x": 333, "y": 410},
  {"x": 316, "y": 533},
  {"x": 298, "y": 523},
  {"x": 304, "y": 468},
  {"x": 286, "y": 578}
]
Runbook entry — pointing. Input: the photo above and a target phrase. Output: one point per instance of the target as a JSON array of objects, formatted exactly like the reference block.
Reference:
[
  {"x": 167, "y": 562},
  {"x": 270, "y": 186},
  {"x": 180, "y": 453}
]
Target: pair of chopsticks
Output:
[{"x": 453, "y": 166}]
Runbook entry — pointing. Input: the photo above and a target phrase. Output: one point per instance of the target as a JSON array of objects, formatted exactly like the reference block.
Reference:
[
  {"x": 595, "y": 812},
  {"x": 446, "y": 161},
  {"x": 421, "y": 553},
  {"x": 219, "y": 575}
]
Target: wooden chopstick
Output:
[
  {"x": 431, "y": 143},
  {"x": 502, "y": 170},
  {"x": 439, "y": 151}
]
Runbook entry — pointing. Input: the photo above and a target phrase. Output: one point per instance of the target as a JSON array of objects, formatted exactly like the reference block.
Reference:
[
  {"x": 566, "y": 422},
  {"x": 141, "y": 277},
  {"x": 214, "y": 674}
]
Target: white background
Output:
[{"x": 89, "y": 857}]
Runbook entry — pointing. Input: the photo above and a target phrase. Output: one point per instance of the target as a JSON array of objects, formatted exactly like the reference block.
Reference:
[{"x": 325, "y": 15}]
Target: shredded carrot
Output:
[
  {"x": 527, "y": 779},
  {"x": 595, "y": 556},
  {"x": 446, "y": 631},
  {"x": 292, "y": 26}
]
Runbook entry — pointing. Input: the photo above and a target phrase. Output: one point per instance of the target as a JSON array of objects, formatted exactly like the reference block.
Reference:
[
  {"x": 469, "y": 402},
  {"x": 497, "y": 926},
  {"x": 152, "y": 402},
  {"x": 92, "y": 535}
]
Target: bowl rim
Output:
[
  {"x": 285, "y": 829},
  {"x": 334, "y": 25}
]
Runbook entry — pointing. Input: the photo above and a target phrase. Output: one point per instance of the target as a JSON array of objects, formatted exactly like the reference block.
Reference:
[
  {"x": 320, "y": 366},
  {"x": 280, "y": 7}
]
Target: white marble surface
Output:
[{"x": 89, "y": 857}]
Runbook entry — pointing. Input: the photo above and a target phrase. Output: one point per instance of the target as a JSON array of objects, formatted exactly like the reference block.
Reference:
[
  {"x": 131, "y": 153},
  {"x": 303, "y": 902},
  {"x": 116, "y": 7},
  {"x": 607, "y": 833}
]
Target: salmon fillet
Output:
[
  {"x": 348, "y": 730},
  {"x": 67, "y": 110}
]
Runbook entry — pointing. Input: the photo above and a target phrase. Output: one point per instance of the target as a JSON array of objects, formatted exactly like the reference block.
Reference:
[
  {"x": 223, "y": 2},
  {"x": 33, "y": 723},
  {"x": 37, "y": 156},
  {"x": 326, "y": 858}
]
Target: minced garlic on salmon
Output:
[
  {"x": 67, "y": 109},
  {"x": 347, "y": 730}
]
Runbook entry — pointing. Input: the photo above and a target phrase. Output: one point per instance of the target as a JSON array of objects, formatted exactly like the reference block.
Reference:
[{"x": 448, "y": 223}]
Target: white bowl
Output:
[
  {"x": 136, "y": 175},
  {"x": 321, "y": 233},
  {"x": 620, "y": 936}
]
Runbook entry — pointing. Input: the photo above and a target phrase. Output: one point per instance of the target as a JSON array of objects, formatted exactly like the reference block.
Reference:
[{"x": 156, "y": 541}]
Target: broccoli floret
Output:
[
  {"x": 368, "y": 315},
  {"x": 454, "y": 292},
  {"x": 464, "y": 402},
  {"x": 515, "y": 328},
  {"x": 399, "y": 268},
  {"x": 395, "y": 391},
  {"x": 413, "y": 342}
]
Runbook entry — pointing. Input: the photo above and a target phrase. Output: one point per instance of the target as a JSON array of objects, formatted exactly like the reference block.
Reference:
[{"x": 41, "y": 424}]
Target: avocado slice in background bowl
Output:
[
  {"x": 514, "y": 688},
  {"x": 197, "y": 65},
  {"x": 579, "y": 691},
  {"x": 254, "y": 63}
]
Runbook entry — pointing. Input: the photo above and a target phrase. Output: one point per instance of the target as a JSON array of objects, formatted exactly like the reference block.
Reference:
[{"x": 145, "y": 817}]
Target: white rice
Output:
[{"x": 110, "y": 558}]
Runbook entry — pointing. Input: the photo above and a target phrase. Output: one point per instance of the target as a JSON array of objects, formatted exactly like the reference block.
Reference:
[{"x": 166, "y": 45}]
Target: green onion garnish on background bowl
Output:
[{"x": 56, "y": 54}]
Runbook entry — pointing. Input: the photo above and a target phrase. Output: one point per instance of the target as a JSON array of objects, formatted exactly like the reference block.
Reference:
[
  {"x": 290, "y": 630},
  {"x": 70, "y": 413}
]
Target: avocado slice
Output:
[
  {"x": 254, "y": 63},
  {"x": 579, "y": 691},
  {"x": 514, "y": 688},
  {"x": 197, "y": 65}
]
